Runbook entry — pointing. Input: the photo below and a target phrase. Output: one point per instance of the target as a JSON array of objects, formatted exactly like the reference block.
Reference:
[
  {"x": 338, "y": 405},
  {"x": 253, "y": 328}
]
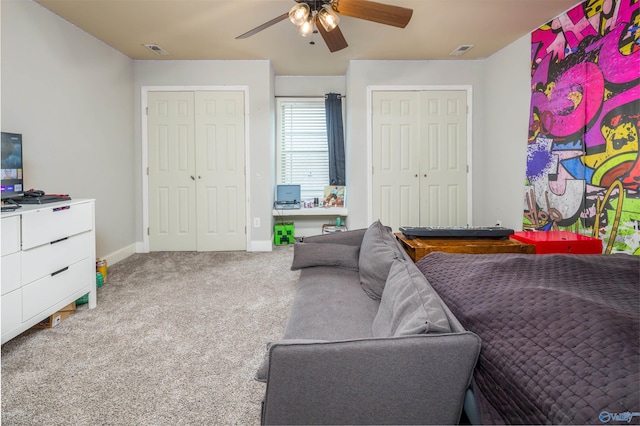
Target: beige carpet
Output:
[{"x": 175, "y": 340}]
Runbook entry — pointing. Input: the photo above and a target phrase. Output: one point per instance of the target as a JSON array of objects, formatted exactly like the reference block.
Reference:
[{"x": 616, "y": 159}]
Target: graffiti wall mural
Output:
[{"x": 583, "y": 171}]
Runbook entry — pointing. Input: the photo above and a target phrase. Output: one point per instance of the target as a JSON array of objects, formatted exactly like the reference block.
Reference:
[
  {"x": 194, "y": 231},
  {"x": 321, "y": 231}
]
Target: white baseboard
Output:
[
  {"x": 117, "y": 256},
  {"x": 260, "y": 246},
  {"x": 139, "y": 248}
]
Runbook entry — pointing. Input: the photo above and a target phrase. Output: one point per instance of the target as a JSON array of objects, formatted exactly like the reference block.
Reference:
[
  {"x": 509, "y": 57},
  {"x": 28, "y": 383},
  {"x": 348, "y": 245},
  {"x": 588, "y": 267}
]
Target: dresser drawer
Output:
[
  {"x": 11, "y": 267},
  {"x": 48, "y": 258},
  {"x": 11, "y": 310},
  {"x": 51, "y": 224},
  {"x": 10, "y": 235},
  {"x": 46, "y": 292}
]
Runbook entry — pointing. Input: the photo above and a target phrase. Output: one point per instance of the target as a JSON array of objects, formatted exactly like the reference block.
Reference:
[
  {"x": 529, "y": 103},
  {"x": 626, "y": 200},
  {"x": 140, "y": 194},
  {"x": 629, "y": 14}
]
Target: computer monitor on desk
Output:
[{"x": 287, "y": 197}]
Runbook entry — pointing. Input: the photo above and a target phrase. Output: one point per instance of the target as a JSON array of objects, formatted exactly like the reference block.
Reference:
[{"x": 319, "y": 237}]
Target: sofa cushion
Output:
[
  {"x": 378, "y": 251},
  {"x": 330, "y": 305},
  {"x": 409, "y": 304},
  {"x": 306, "y": 255}
]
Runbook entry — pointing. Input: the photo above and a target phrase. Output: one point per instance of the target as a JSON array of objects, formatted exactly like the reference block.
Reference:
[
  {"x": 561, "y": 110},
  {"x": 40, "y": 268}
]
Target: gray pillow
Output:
[
  {"x": 349, "y": 238},
  {"x": 409, "y": 305},
  {"x": 306, "y": 255},
  {"x": 377, "y": 253}
]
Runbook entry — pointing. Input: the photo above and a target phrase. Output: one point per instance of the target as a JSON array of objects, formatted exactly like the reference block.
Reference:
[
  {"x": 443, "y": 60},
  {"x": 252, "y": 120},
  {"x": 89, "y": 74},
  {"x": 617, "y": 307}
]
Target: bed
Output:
[{"x": 560, "y": 334}]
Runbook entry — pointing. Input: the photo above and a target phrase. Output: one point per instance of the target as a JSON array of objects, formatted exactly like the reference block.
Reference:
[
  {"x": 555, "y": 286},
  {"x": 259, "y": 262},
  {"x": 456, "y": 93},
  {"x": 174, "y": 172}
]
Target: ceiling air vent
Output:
[
  {"x": 461, "y": 50},
  {"x": 156, "y": 49}
]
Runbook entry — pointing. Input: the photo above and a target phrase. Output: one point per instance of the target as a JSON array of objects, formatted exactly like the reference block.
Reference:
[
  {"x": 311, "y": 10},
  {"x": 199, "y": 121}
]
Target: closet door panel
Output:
[
  {"x": 395, "y": 158},
  {"x": 220, "y": 164},
  {"x": 172, "y": 196}
]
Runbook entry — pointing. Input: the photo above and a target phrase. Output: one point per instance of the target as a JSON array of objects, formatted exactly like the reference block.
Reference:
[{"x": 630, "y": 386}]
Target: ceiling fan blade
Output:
[
  {"x": 334, "y": 38},
  {"x": 373, "y": 11},
  {"x": 264, "y": 26}
]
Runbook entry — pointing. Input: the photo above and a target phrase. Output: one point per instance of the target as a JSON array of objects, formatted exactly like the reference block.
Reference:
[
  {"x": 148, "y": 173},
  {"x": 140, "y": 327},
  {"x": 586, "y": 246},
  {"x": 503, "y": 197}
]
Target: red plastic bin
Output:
[{"x": 547, "y": 242}]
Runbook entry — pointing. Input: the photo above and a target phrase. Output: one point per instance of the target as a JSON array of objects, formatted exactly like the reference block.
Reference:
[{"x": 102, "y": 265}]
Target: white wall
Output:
[
  {"x": 362, "y": 75},
  {"x": 309, "y": 85},
  {"x": 257, "y": 77},
  {"x": 71, "y": 96},
  {"x": 505, "y": 130}
]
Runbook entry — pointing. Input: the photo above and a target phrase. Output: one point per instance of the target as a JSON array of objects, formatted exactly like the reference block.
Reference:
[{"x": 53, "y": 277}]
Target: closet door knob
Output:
[{"x": 192, "y": 178}]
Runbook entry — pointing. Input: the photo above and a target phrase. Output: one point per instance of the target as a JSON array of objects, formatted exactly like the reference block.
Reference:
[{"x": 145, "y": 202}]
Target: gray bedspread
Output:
[{"x": 560, "y": 333}]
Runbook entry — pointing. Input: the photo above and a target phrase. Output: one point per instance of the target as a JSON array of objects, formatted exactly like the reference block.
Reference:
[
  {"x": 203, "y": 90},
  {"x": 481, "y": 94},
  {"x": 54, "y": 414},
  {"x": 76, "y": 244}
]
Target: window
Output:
[{"x": 302, "y": 152}]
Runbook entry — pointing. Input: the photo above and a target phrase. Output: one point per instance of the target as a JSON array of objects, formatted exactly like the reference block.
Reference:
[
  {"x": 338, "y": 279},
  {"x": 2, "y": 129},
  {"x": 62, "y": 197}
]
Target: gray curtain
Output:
[{"x": 335, "y": 138}]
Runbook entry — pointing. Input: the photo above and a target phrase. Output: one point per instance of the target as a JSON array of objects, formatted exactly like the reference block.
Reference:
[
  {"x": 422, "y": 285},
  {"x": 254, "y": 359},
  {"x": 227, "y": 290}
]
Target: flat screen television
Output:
[{"x": 12, "y": 176}]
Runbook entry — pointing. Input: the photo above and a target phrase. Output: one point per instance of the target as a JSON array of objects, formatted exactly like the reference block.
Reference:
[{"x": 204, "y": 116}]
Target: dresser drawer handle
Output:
[
  {"x": 60, "y": 271},
  {"x": 60, "y": 240}
]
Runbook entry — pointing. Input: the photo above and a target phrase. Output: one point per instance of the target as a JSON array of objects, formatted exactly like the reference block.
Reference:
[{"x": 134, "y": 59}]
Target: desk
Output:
[
  {"x": 309, "y": 222},
  {"x": 417, "y": 248},
  {"x": 316, "y": 211}
]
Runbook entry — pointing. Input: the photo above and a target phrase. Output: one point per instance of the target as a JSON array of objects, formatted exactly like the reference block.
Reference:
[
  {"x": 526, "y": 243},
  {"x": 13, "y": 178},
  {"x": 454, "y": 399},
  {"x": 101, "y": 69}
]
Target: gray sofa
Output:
[{"x": 368, "y": 341}]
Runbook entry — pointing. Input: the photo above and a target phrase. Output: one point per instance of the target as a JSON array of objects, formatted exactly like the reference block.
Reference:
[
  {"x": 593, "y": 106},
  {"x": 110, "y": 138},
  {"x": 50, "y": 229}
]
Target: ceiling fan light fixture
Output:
[
  {"x": 328, "y": 18},
  {"x": 299, "y": 14},
  {"x": 306, "y": 28}
]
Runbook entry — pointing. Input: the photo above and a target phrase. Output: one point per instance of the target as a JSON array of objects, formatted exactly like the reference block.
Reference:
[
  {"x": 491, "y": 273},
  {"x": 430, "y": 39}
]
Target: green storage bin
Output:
[{"x": 284, "y": 233}]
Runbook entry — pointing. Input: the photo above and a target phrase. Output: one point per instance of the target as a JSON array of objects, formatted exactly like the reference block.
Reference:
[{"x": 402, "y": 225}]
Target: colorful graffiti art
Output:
[{"x": 583, "y": 169}]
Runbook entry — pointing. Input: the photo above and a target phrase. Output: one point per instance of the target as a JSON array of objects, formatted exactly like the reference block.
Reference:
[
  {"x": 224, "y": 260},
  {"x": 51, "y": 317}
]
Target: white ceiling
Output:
[{"x": 206, "y": 29}]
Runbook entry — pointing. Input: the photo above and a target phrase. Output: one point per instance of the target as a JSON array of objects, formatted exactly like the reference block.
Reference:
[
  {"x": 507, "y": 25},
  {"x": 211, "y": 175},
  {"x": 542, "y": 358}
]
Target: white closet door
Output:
[
  {"x": 220, "y": 165},
  {"x": 443, "y": 158},
  {"x": 197, "y": 196},
  {"x": 396, "y": 158},
  {"x": 171, "y": 144},
  {"x": 419, "y": 150}
]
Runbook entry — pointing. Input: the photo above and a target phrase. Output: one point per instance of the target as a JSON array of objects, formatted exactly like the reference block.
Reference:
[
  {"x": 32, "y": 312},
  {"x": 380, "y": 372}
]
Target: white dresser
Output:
[{"x": 48, "y": 261}]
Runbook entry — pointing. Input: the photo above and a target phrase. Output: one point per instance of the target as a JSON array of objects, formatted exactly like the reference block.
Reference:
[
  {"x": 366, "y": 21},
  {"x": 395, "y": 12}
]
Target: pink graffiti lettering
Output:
[
  {"x": 616, "y": 67},
  {"x": 575, "y": 27},
  {"x": 568, "y": 117},
  {"x": 569, "y": 29}
]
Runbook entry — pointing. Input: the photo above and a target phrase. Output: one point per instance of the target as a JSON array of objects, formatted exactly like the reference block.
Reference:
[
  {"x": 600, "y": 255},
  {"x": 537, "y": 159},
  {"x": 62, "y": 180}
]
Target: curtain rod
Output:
[{"x": 310, "y": 97}]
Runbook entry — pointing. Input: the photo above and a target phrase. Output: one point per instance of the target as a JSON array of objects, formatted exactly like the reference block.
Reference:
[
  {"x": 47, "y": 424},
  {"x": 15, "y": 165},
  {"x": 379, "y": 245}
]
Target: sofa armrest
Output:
[
  {"x": 351, "y": 238},
  {"x": 418, "y": 379}
]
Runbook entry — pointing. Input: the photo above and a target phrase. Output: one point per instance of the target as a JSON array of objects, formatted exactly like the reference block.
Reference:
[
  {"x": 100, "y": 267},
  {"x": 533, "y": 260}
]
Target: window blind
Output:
[{"x": 303, "y": 154}]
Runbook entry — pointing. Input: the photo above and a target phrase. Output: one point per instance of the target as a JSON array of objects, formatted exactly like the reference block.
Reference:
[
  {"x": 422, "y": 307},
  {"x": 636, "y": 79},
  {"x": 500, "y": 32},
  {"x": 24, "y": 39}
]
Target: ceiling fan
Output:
[{"x": 307, "y": 14}]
